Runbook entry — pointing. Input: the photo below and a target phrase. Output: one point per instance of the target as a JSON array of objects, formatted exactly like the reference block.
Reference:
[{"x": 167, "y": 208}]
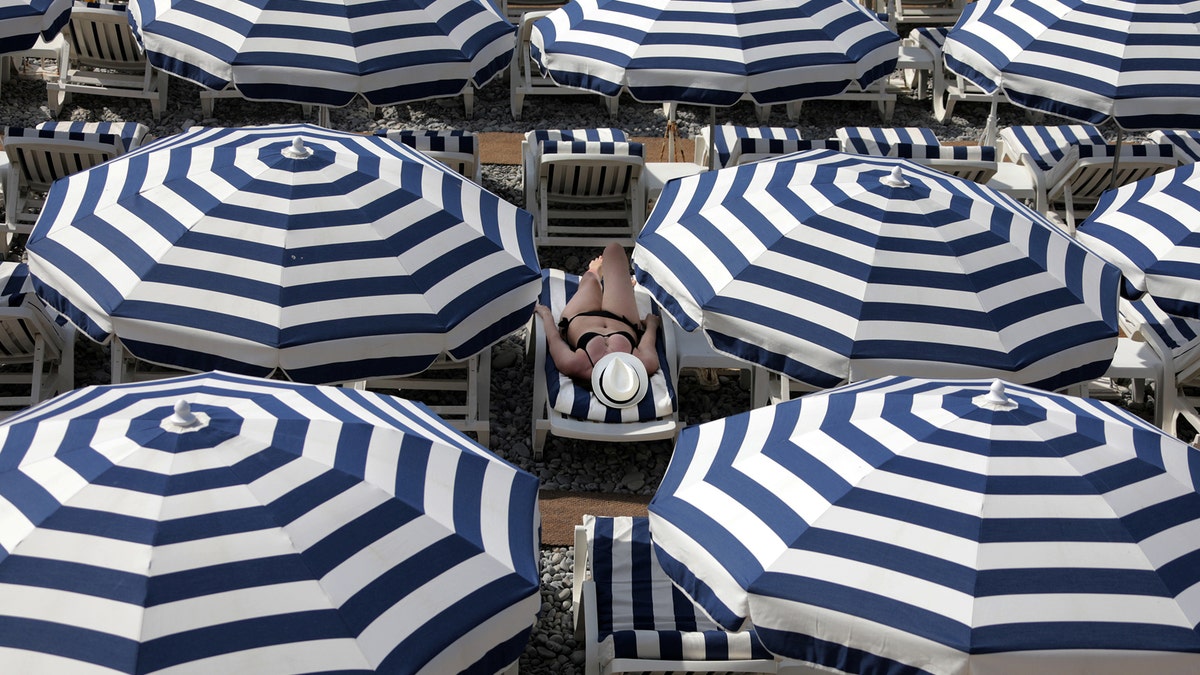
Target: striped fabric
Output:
[
  {"x": 754, "y": 149},
  {"x": 283, "y": 524},
  {"x": 1149, "y": 230},
  {"x": 640, "y": 614},
  {"x": 570, "y": 147},
  {"x": 905, "y": 525},
  {"x": 1180, "y": 334},
  {"x": 129, "y": 135},
  {"x": 15, "y": 283},
  {"x": 23, "y": 22},
  {"x": 1091, "y": 184},
  {"x": 1186, "y": 142},
  {"x": 727, "y": 140},
  {"x": 1137, "y": 63},
  {"x": 931, "y": 38},
  {"x": 716, "y": 53},
  {"x": 328, "y": 53},
  {"x": 822, "y": 270},
  {"x": 361, "y": 259},
  {"x": 575, "y": 399},
  {"x": 598, "y": 135},
  {"x": 971, "y": 162},
  {"x": 54, "y": 132},
  {"x": 879, "y": 140},
  {"x": 451, "y": 147},
  {"x": 1046, "y": 145}
]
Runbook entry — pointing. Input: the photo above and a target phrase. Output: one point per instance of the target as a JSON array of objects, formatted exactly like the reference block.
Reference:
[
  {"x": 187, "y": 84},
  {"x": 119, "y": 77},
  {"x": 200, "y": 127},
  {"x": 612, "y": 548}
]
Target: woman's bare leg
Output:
[
  {"x": 618, "y": 287},
  {"x": 588, "y": 297}
]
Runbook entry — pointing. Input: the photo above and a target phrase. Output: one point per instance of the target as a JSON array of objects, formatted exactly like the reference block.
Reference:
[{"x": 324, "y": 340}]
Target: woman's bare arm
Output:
[
  {"x": 570, "y": 362},
  {"x": 647, "y": 349}
]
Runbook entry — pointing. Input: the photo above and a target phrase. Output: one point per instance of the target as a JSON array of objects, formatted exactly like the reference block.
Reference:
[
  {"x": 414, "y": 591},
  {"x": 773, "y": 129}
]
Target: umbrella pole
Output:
[
  {"x": 1112, "y": 179},
  {"x": 989, "y": 132},
  {"x": 712, "y": 137}
]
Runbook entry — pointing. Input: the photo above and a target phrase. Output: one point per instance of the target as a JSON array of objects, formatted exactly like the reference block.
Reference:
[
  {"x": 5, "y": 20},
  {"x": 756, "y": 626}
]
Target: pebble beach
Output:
[{"x": 567, "y": 465}]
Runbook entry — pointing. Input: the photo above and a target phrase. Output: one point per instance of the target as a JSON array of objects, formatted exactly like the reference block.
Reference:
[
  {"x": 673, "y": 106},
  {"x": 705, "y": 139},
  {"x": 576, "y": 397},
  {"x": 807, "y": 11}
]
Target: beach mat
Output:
[
  {"x": 497, "y": 147},
  {"x": 563, "y": 510}
]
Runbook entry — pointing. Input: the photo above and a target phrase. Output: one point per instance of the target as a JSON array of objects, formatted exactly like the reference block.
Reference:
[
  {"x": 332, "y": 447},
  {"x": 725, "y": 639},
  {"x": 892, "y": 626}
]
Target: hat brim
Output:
[{"x": 614, "y": 399}]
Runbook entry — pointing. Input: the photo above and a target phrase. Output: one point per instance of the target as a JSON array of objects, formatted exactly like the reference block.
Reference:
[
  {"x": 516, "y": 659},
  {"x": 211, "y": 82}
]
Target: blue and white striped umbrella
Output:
[
  {"x": 1134, "y": 62},
  {"x": 826, "y": 267},
  {"x": 714, "y": 53},
  {"x": 1150, "y": 229},
  {"x": 324, "y": 53},
  {"x": 345, "y": 257},
  {"x": 220, "y": 523},
  {"x": 22, "y": 22},
  {"x": 905, "y": 525}
]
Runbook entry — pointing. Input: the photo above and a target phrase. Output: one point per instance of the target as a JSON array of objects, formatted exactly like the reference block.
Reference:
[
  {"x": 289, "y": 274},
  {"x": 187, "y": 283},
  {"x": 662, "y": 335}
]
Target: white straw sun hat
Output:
[{"x": 619, "y": 380}]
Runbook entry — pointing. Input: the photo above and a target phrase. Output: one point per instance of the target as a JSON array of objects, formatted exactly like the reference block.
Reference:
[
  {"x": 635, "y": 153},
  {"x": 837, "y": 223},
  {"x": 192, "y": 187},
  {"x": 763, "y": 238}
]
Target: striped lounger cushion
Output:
[
  {"x": 749, "y": 147},
  {"x": 726, "y": 140},
  {"x": 571, "y": 398},
  {"x": 640, "y": 613},
  {"x": 1047, "y": 145},
  {"x": 879, "y": 140},
  {"x": 129, "y": 134},
  {"x": 1187, "y": 141}
]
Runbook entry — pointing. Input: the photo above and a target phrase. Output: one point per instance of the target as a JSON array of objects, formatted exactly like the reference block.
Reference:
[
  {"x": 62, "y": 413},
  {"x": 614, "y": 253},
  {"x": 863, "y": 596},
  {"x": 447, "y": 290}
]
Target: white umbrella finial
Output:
[
  {"x": 183, "y": 416},
  {"x": 896, "y": 179},
  {"x": 296, "y": 150},
  {"x": 996, "y": 398}
]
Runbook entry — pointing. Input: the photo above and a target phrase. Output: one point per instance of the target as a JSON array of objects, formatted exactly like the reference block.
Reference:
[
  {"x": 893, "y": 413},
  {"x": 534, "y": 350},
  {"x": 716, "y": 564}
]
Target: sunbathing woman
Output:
[{"x": 601, "y": 319}]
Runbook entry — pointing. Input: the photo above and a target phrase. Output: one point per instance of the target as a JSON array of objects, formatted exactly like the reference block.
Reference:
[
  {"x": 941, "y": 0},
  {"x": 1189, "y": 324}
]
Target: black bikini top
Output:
[{"x": 584, "y": 339}]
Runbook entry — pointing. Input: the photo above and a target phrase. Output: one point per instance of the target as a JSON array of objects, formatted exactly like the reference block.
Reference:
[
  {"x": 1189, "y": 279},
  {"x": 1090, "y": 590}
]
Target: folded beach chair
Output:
[
  {"x": 569, "y": 409},
  {"x": 36, "y": 157},
  {"x": 101, "y": 56},
  {"x": 592, "y": 175},
  {"x": 1186, "y": 142},
  {"x": 633, "y": 619},
  {"x": 456, "y": 148},
  {"x": 1177, "y": 341},
  {"x": 37, "y": 347}
]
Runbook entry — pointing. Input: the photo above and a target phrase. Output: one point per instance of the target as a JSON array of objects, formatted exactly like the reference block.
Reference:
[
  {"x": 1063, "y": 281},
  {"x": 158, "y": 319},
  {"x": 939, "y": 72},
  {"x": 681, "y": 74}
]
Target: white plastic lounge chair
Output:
[
  {"x": 105, "y": 59},
  {"x": 923, "y": 12},
  {"x": 525, "y": 76},
  {"x": 1075, "y": 184},
  {"x": 39, "y": 156},
  {"x": 567, "y": 409},
  {"x": 584, "y": 175},
  {"x": 1177, "y": 342},
  {"x": 633, "y": 619},
  {"x": 37, "y": 349},
  {"x": 1186, "y": 142},
  {"x": 1038, "y": 148},
  {"x": 457, "y": 149}
]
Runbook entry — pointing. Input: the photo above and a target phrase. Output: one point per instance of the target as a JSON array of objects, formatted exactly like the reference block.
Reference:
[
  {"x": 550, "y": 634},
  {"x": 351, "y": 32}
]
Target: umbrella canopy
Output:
[
  {"x": 714, "y": 53},
  {"x": 1150, "y": 230},
  {"x": 909, "y": 525},
  {"x": 1135, "y": 63},
  {"x": 325, "y": 53},
  {"x": 330, "y": 256},
  {"x": 22, "y": 22},
  {"x": 826, "y": 267},
  {"x": 227, "y": 524}
]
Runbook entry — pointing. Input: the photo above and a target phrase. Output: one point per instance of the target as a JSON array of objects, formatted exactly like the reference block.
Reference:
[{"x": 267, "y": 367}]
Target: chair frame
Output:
[
  {"x": 104, "y": 59},
  {"x": 1079, "y": 189},
  {"x": 583, "y": 593},
  {"x": 33, "y": 339}
]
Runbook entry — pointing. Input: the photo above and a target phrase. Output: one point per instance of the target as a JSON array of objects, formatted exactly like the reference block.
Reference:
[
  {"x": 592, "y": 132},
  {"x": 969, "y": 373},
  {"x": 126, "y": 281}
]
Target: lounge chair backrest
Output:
[
  {"x": 1186, "y": 142},
  {"x": 585, "y": 170},
  {"x": 972, "y": 162},
  {"x": 1086, "y": 170},
  {"x": 879, "y": 140},
  {"x": 41, "y": 156},
  {"x": 601, "y": 134},
  {"x": 639, "y": 608},
  {"x": 755, "y": 149},
  {"x": 100, "y": 36}
]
